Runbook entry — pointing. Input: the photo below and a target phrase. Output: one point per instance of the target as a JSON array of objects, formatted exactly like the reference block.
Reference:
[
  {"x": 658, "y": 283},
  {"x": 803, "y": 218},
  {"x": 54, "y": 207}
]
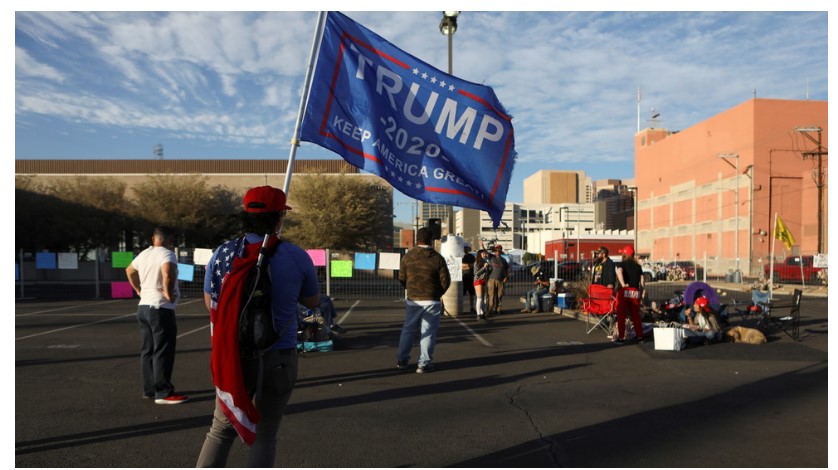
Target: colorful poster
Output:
[
  {"x": 68, "y": 261},
  {"x": 121, "y": 259},
  {"x": 318, "y": 257},
  {"x": 45, "y": 260},
  {"x": 389, "y": 260},
  {"x": 365, "y": 261},
  {"x": 185, "y": 272},
  {"x": 121, "y": 290},
  {"x": 201, "y": 256},
  {"x": 341, "y": 268}
]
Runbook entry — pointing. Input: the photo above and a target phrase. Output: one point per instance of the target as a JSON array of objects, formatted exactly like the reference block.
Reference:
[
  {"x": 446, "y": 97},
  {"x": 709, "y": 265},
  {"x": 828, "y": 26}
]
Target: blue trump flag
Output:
[{"x": 431, "y": 135}]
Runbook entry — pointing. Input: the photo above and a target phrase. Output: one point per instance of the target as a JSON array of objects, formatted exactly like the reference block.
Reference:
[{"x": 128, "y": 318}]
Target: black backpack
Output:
[{"x": 257, "y": 331}]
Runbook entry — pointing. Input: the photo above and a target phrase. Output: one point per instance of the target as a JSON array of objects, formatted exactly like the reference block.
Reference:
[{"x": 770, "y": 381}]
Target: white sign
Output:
[
  {"x": 820, "y": 260},
  {"x": 455, "y": 268},
  {"x": 201, "y": 256}
]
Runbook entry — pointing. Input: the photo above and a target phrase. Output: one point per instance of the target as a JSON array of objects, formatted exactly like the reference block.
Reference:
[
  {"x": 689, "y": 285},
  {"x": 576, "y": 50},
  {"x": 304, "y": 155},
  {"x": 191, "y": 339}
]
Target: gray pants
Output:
[
  {"x": 495, "y": 295},
  {"x": 279, "y": 369}
]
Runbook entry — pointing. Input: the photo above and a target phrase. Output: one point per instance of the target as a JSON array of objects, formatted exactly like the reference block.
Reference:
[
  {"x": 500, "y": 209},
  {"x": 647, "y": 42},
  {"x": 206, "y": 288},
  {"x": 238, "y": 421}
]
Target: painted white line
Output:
[
  {"x": 89, "y": 323},
  {"x": 75, "y": 326},
  {"x": 345, "y": 315},
  {"x": 66, "y": 308},
  {"x": 194, "y": 331},
  {"x": 474, "y": 333}
]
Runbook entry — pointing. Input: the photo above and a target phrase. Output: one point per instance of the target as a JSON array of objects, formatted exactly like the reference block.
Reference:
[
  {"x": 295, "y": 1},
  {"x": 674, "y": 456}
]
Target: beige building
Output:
[
  {"x": 238, "y": 175},
  {"x": 557, "y": 187}
]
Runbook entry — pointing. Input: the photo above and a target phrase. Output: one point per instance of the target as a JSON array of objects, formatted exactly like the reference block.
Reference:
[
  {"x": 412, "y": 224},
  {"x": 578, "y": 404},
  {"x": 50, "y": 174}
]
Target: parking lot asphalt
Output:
[{"x": 519, "y": 390}]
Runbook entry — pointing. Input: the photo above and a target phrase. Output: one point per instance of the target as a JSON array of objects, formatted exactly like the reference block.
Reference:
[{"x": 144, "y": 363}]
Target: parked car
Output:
[
  {"x": 794, "y": 269},
  {"x": 569, "y": 270},
  {"x": 684, "y": 270}
]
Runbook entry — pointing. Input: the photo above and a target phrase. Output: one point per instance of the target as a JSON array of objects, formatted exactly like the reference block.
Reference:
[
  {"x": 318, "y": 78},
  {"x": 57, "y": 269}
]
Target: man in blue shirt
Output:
[{"x": 269, "y": 379}]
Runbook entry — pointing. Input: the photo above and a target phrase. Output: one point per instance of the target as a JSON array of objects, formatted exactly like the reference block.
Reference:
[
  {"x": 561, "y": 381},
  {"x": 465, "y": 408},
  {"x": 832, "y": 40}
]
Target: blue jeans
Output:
[
  {"x": 698, "y": 336},
  {"x": 279, "y": 375},
  {"x": 532, "y": 297},
  {"x": 158, "y": 336},
  {"x": 424, "y": 320}
]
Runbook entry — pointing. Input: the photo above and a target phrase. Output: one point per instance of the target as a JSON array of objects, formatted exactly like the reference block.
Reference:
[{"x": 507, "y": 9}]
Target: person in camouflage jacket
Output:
[{"x": 424, "y": 274}]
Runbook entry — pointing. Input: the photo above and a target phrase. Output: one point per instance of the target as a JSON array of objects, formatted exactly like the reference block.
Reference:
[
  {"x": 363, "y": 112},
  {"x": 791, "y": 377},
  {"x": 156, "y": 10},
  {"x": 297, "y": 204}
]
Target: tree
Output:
[
  {"x": 201, "y": 215},
  {"x": 82, "y": 213},
  {"x": 340, "y": 213}
]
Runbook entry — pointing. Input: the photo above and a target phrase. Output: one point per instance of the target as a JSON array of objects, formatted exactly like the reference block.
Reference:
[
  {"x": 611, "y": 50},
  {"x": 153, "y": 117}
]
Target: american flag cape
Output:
[{"x": 232, "y": 266}]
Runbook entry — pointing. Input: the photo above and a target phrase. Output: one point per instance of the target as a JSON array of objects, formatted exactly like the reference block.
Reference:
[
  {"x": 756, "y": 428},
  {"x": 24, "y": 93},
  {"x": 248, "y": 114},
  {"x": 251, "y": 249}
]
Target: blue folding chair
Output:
[{"x": 758, "y": 311}]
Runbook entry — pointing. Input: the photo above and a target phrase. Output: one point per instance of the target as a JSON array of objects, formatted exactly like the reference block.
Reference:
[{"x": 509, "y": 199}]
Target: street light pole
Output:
[
  {"x": 452, "y": 300},
  {"x": 448, "y": 26},
  {"x": 736, "y": 274}
]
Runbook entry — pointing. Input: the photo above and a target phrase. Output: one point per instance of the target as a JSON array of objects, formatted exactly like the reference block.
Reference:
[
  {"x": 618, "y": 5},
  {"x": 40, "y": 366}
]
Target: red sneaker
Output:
[{"x": 172, "y": 400}]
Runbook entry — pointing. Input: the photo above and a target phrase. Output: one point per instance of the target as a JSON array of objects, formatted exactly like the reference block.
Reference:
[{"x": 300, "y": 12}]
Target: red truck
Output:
[{"x": 794, "y": 269}]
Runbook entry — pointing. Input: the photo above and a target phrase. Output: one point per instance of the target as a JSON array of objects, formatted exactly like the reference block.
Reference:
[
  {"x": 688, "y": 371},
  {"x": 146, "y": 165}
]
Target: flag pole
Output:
[
  {"x": 771, "y": 261},
  {"x": 312, "y": 59}
]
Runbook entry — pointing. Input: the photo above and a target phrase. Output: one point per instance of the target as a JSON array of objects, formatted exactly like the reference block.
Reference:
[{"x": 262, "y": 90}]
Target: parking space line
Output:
[
  {"x": 348, "y": 311},
  {"x": 474, "y": 333},
  {"x": 66, "y": 308},
  {"x": 75, "y": 326},
  {"x": 82, "y": 324}
]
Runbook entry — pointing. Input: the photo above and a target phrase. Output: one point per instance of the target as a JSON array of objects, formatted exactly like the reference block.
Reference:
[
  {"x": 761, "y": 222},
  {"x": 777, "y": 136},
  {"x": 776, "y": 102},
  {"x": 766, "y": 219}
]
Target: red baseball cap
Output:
[
  {"x": 628, "y": 250},
  {"x": 703, "y": 303},
  {"x": 498, "y": 248},
  {"x": 265, "y": 199}
]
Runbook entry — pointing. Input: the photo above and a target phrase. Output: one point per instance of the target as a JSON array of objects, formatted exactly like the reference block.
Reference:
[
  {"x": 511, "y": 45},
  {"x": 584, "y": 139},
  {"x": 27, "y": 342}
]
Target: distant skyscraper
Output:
[
  {"x": 557, "y": 187},
  {"x": 433, "y": 211}
]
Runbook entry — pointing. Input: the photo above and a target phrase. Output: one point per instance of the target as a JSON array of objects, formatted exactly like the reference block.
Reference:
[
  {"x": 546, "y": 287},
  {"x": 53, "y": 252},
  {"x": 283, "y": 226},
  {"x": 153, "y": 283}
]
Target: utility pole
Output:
[{"x": 819, "y": 153}]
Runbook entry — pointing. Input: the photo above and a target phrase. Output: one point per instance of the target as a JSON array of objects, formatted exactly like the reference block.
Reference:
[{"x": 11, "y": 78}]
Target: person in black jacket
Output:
[{"x": 604, "y": 272}]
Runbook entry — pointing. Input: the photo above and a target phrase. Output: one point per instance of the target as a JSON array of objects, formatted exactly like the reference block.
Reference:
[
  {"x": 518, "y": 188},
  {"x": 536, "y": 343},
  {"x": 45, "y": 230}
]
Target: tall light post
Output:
[
  {"x": 737, "y": 276},
  {"x": 453, "y": 297},
  {"x": 448, "y": 26}
]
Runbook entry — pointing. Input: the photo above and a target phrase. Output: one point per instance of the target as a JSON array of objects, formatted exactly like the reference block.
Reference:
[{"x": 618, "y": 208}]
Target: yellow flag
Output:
[{"x": 782, "y": 233}]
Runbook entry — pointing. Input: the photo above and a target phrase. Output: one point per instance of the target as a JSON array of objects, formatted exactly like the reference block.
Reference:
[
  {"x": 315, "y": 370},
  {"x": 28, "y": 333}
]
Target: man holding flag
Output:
[
  {"x": 251, "y": 393},
  {"x": 431, "y": 135}
]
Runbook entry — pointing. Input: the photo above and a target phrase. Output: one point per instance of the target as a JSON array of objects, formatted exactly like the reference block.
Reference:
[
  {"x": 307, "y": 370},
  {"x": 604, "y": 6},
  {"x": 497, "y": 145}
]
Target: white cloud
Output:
[
  {"x": 26, "y": 66},
  {"x": 568, "y": 78}
]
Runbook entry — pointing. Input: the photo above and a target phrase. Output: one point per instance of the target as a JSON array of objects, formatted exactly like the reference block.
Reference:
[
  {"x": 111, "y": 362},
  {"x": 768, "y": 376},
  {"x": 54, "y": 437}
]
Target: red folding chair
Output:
[{"x": 600, "y": 308}]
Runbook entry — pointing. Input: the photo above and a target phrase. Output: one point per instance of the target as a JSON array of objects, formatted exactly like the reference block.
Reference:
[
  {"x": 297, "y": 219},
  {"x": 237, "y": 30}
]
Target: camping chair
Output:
[
  {"x": 758, "y": 310},
  {"x": 789, "y": 322},
  {"x": 600, "y": 308}
]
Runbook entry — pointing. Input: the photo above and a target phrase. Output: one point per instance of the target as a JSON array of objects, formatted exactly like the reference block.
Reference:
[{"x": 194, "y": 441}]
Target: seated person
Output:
[
  {"x": 702, "y": 325},
  {"x": 326, "y": 310},
  {"x": 542, "y": 285}
]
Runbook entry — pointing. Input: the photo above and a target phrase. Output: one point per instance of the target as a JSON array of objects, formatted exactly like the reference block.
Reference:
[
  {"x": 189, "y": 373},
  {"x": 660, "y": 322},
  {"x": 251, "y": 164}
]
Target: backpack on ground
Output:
[{"x": 313, "y": 334}]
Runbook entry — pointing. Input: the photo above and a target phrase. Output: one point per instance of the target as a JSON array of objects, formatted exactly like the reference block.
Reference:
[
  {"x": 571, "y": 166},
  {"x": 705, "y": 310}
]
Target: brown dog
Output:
[{"x": 740, "y": 334}]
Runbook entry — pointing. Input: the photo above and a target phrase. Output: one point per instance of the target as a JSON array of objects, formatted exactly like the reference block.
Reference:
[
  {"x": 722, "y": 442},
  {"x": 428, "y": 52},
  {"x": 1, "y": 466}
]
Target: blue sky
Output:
[{"x": 227, "y": 84}]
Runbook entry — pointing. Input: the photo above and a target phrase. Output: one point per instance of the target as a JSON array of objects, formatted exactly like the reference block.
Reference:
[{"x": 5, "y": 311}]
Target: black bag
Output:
[{"x": 257, "y": 331}]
